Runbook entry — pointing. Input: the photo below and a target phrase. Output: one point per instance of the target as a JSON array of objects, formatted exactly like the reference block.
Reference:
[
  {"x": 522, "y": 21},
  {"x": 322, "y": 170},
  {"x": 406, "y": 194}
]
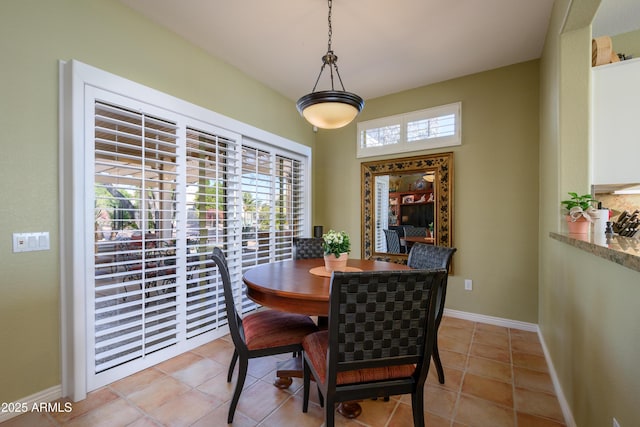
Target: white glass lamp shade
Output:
[{"x": 330, "y": 109}]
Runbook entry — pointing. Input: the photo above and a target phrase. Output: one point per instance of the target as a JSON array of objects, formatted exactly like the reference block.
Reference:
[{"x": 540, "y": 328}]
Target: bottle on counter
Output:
[{"x": 601, "y": 219}]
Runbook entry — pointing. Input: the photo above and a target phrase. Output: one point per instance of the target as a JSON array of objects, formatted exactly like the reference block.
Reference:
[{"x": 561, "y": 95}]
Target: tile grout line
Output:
[
  {"x": 456, "y": 406},
  {"x": 393, "y": 412},
  {"x": 513, "y": 380}
]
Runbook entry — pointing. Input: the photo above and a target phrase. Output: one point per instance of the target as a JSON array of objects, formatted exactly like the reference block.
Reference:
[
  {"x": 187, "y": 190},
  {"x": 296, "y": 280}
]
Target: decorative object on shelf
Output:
[
  {"x": 602, "y": 51},
  {"x": 336, "y": 246},
  {"x": 429, "y": 177},
  {"x": 420, "y": 184},
  {"x": 330, "y": 109},
  {"x": 579, "y": 212},
  {"x": 407, "y": 199}
]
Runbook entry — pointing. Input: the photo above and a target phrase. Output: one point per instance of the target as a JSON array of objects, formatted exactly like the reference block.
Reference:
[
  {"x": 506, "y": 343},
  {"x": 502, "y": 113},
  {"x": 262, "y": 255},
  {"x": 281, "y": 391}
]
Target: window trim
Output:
[
  {"x": 75, "y": 79},
  {"x": 404, "y": 146}
]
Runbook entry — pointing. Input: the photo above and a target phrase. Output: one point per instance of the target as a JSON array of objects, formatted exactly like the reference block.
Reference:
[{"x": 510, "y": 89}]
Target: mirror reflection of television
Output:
[{"x": 418, "y": 215}]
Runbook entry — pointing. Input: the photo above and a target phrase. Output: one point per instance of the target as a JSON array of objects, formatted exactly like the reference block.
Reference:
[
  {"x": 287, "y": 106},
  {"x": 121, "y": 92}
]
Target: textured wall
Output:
[
  {"x": 496, "y": 185},
  {"x": 34, "y": 35}
]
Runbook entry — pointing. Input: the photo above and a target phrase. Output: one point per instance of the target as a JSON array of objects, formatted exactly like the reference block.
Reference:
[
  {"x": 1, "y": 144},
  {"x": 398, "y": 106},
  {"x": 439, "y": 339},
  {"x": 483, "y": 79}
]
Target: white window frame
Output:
[
  {"x": 77, "y": 79},
  {"x": 403, "y": 145}
]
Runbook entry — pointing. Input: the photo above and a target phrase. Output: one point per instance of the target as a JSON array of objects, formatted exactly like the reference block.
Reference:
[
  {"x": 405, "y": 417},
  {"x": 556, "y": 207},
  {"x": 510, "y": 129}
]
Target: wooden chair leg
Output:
[
  {"x": 438, "y": 363},
  {"x": 306, "y": 383},
  {"x": 232, "y": 365},
  {"x": 417, "y": 407},
  {"x": 329, "y": 412},
  {"x": 242, "y": 374}
]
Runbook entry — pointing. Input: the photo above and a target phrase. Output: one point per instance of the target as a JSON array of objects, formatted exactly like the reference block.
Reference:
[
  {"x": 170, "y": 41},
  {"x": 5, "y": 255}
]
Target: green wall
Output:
[
  {"x": 525, "y": 143},
  {"x": 588, "y": 306},
  {"x": 34, "y": 35},
  {"x": 627, "y": 43},
  {"x": 495, "y": 185}
]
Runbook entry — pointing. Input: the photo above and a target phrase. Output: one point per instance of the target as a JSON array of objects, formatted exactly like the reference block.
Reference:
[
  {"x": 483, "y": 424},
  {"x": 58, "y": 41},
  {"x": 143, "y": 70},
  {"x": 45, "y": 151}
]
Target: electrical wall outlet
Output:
[
  {"x": 615, "y": 422},
  {"x": 468, "y": 284}
]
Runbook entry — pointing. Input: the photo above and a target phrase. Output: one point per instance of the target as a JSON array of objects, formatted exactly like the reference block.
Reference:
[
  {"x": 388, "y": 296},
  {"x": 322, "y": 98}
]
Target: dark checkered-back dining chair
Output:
[
  {"x": 262, "y": 333},
  {"x": 393, "y": 241},
  {"x": 427, "y": 257},
  {"x": 307, "y": 247},
  {"x": 379, "y": 340}
]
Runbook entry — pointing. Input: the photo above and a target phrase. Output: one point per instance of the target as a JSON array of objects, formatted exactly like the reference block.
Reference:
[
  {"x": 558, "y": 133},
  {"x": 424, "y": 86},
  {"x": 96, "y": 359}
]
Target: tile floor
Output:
[{"x": 495, "y": 377}]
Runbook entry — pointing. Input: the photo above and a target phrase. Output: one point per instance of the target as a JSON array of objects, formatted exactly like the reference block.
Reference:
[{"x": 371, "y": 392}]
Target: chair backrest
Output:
[
  {"x": 307, "y": 247},
  {"x": 393, "y": 241},
  {"x": 382, "y": 318},
  {"x": 399, "y": 229},
  {"x": 425, "y": 256},
  {"x": 233, "y": 319},
  {"x": 415, "y": 231}
]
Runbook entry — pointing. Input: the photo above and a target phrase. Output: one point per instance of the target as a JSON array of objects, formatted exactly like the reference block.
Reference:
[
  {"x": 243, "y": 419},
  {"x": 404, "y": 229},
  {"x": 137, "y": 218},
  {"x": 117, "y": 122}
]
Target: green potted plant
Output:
[
  {"x": 336, "y": 246},
  {"x": 579, "y": 211}
]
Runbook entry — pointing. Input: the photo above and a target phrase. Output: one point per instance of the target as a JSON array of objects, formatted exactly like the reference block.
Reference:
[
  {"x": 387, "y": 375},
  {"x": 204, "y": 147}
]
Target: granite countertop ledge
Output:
[{"x": 621, "y": 250}]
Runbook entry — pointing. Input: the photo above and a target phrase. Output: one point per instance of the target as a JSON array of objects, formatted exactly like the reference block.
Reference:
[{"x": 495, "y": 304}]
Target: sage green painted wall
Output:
[
  {"x": 588, "y": 306},
  {"x": 627, "y": 43},
  {"x": 34, "y": 35},
  {"x": 495, "y": 186}
]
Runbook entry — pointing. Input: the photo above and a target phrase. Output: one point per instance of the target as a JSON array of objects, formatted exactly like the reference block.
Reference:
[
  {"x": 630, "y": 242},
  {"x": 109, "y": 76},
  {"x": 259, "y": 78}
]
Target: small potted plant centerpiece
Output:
[
  {"x": 336, "y": 246},
  {"x": 579, "y": 212}
]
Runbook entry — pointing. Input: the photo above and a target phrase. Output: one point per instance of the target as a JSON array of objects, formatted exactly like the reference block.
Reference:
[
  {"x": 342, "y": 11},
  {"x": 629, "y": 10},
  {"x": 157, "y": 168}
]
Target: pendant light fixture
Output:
[{"x": 330, "y": 109}]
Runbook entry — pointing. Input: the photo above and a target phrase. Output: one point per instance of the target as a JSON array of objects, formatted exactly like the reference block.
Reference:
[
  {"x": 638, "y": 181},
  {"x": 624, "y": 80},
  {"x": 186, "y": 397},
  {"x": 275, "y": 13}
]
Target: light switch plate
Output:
[{"x": 28, "y": 242}]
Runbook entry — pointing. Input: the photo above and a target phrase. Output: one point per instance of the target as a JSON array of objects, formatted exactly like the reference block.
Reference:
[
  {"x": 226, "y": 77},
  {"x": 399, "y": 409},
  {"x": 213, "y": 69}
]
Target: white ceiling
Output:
[{"x": 383, "y": 46}]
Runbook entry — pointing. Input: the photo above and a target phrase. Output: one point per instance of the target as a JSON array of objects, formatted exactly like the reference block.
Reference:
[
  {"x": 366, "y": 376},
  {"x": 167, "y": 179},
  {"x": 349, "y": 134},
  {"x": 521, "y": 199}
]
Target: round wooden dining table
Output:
[
  {"x": 302, "y": 286},
  {"x": 418, "y": 239}
]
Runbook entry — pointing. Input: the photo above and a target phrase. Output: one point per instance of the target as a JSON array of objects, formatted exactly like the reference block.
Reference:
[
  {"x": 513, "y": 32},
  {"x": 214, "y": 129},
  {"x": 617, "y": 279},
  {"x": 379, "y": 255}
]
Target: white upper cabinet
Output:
[{"x": 616, "y": 123}]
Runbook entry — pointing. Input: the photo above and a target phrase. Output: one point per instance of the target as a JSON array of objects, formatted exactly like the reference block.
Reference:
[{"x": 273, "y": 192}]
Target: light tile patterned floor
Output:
[{"x": 495, "y": 377}]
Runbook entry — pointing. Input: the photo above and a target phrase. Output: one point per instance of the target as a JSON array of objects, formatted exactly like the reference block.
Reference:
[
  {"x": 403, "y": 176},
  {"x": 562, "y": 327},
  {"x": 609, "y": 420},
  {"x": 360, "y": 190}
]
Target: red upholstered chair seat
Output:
[
  {"x": 271, "y": 328},
  {"x": 315, "y": 346},
  {"x": 259, "y": 334}
]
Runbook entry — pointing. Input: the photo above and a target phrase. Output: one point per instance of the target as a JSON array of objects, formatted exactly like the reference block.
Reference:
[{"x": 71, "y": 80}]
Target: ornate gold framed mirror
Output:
[{"x": 409, "y": 197}]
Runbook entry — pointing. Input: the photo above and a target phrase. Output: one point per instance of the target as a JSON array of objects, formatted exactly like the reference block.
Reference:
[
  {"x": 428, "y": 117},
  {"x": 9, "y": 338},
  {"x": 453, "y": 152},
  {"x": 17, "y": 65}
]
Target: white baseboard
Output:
[
  {"x": 498, "y": 321},
  {"x": 564, "y": 405},
  {"x": 48, "y": 395},
  {"x": 532, "y": 327}
]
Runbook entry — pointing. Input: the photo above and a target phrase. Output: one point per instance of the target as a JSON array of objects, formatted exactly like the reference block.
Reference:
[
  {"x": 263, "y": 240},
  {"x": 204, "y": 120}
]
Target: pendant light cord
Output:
[
  {"x": 330, "y": 58},
  {"x": 330, "y": 27}
]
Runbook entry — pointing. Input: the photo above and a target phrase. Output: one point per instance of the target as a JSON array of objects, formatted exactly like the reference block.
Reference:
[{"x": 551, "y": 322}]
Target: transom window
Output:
[{"x": 419, "y": 130}]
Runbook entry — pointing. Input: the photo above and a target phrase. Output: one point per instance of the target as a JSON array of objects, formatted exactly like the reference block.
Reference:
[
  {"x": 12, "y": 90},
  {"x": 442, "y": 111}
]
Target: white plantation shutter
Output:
[
  {"x": 289, "y": 203},
  {"x": 164, "y": 198},
  {"x": 382, "y": 211},
  {"x": 135, "y": 273},
  {"x": 273, "y": 207},
  {"x": 147, "y": 191},
  {"x": 213, "y": 220}
]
